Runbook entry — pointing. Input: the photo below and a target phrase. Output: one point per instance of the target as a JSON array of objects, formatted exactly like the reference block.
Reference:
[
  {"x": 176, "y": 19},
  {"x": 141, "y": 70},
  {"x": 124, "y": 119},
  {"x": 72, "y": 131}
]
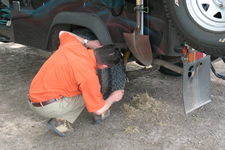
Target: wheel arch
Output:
[{"x": 87, "y": 20}]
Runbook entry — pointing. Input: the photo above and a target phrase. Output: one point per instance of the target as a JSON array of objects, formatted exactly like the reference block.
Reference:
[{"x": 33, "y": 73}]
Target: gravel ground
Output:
[{"x": 149, "y": 117}]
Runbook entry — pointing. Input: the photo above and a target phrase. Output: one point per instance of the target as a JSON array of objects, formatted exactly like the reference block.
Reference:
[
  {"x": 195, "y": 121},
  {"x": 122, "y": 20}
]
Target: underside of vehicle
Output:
[{"x": 151, "y": 32}]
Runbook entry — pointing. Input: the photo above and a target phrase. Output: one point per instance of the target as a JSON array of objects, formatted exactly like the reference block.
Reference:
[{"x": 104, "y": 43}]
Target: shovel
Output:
[{"x": 138, "y": 43}]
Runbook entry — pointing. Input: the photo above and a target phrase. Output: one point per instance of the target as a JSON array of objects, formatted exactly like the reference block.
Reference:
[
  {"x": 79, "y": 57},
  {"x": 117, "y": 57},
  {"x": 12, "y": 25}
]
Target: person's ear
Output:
[
  {"x": 104, "y": 66},
  {"x": 100, "y": 66}
]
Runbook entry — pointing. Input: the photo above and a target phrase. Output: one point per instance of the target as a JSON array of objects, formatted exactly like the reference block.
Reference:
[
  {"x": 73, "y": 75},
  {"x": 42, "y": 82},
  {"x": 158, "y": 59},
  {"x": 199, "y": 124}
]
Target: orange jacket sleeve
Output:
[{"x": 92, "y": 95}]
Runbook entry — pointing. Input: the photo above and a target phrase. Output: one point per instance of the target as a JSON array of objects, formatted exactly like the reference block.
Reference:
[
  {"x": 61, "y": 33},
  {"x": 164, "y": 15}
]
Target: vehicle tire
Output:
[
  {"x": 53, "y": 42},
  {"x": 199, "y": 23},
  {"x": 111, "y": 79}
]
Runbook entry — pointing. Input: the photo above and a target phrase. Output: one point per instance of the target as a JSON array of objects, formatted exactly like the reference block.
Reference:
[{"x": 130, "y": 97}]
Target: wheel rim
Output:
[{"x": 209, "y": 14}]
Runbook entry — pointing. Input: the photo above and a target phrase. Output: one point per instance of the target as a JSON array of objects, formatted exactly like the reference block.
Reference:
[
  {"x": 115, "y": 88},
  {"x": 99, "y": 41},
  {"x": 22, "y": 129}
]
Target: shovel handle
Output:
[{"x": 138, "y": 2}]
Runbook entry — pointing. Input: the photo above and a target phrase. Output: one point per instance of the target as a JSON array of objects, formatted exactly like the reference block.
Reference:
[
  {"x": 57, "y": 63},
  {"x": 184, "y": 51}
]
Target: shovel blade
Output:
[{"x": 140, "y": 47}]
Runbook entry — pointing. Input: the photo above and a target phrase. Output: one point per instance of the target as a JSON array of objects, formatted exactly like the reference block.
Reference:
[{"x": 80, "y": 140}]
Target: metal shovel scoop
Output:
[{"x": 138, "y": 43}]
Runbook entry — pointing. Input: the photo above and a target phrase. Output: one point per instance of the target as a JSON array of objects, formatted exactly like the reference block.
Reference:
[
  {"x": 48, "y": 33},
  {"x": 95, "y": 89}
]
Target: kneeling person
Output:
[{"x": 67, "y": 82}]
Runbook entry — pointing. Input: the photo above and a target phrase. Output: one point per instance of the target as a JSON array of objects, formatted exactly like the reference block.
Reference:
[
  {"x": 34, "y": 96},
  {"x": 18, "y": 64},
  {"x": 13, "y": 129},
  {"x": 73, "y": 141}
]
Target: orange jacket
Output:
[{"x": 70, "y": 71}]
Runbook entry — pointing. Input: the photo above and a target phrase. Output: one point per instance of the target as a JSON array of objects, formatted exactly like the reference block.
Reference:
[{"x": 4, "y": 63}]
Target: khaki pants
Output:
[{"x": 68, "y": 108}]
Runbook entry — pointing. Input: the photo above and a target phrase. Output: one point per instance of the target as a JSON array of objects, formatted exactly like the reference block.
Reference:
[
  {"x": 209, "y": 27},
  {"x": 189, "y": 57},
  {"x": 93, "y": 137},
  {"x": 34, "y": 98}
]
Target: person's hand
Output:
[
  {"x": 94, "y": 44},
  {"x": 114, "y": 97},
  {"x": 117, "y": 95}
]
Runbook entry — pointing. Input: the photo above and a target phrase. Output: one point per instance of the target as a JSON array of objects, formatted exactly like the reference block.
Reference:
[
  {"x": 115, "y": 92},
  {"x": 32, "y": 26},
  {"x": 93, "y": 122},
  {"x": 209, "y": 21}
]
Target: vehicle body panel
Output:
[{"x": 32, "y": 27}]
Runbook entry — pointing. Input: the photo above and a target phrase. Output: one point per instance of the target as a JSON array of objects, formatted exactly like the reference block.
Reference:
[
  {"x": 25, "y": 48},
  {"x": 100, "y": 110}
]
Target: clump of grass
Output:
[
  {"x": 143, "y": 103},
  {"x": 132, "y": 130}
]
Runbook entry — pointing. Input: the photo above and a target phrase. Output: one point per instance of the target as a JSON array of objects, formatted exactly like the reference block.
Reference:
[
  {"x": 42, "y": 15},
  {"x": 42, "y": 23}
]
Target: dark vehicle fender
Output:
[{"x": 87, "y": 20}]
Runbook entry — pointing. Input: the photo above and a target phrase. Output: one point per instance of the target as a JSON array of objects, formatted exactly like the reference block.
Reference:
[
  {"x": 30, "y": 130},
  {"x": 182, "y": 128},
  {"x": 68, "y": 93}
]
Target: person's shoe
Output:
[
  {"x": 97, "y": 119},
  {"x": 60, "y": 126}
]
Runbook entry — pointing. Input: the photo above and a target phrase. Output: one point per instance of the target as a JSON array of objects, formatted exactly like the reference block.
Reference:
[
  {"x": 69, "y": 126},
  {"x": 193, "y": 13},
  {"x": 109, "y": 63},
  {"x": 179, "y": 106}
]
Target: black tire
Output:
[
  {"x": 197, "y": 26},
  {"x": 84, "y": 33},
  {"x": 53, "y": 42},
  {"x": 111, "y": 79}
]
